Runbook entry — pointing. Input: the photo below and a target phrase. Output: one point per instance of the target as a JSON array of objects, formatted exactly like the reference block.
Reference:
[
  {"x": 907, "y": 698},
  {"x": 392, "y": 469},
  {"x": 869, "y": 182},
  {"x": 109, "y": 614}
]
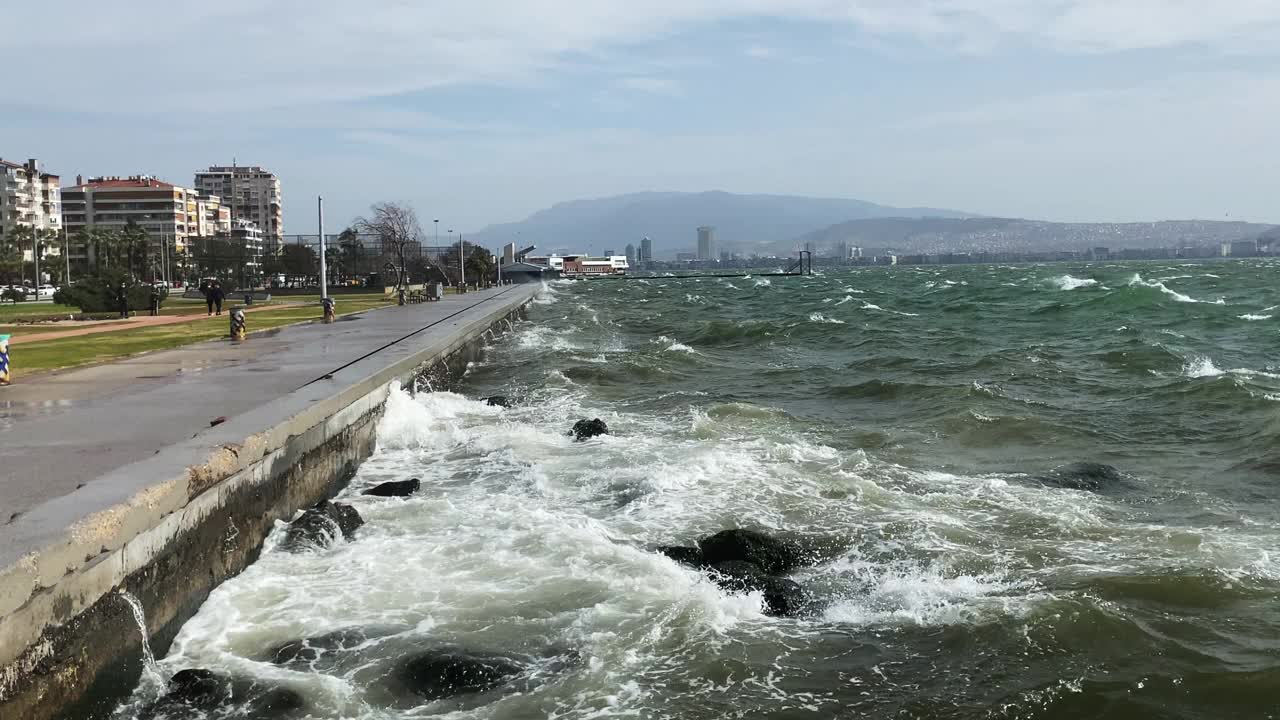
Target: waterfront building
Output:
[
  {"x": 646, "y": 250},
  {"x": 252, "y": 193},
  {"x": 169, "y": 213},
  {"x": 631, "y": 254},
  {"x": 29, "y": 198}
]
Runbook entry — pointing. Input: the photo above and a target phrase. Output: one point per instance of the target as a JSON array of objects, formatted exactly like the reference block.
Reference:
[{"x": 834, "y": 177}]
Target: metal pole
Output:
[
  {"x": 66, "y": 251},
  {"x": 462, "y": 266},
  {"x": 324, "y": 280}
]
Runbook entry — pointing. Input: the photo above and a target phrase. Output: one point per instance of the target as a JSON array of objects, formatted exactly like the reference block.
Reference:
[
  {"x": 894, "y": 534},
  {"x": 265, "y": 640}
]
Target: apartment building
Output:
[
  {"x": 252, "y": 193},
  {"x": 30, "y": 198},
  {"x": 168, "y": 213}
]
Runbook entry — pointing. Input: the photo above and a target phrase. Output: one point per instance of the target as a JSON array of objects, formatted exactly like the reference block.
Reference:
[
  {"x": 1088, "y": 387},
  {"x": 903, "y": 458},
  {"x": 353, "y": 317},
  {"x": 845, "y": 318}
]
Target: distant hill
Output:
[
  {"x": 962, "y": 235},
  {"x": 742, "y": 222}
]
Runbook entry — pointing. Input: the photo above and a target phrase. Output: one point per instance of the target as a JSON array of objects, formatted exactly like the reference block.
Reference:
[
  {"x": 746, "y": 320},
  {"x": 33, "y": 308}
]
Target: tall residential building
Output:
[
  {"x": 631, "y": 254},
  {"x": 646, "y": 250},
  {"x": 248, "y": 236},
  {"x": 252, "y": 193},
  {"x": 168, "y": 213},
  {"x": 29, "y": 198},
  {"x": 706, "y": 242}
]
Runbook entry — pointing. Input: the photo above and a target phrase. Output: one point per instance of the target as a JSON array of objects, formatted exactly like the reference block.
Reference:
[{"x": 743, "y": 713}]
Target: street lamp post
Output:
[{"x": 462, "y": 267}]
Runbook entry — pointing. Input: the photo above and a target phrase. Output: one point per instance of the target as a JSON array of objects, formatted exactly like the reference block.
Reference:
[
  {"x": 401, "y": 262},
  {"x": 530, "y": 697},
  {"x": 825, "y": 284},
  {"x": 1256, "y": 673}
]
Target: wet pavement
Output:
[{"x": 61, "y": 431}]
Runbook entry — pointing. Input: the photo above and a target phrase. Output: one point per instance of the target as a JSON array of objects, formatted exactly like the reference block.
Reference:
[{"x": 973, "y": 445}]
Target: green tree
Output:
[
  {"x": 218, "y": 257},
  {"x": 299, "y": 263},
  {"x": 134, "y": 246},
  {"x": 480, "y": 266}
]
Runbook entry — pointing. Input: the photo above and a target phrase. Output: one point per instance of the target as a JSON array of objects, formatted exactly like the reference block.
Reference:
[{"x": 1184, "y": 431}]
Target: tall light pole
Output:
[
  {"x": 324, "y": 279},
  {"x": 66, "y": 252},
  {"x": 437, "y": 222},
  {"x": 462, "y": 268}
]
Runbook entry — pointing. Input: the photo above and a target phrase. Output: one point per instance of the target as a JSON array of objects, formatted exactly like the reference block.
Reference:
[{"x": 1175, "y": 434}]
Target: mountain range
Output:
[
  {"x": 743, "y": 222},
  {"x": 780, "y": 224}
]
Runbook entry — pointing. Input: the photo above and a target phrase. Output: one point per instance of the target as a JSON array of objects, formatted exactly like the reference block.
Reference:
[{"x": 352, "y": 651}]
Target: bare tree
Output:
[{"x": 397, "y": 227}]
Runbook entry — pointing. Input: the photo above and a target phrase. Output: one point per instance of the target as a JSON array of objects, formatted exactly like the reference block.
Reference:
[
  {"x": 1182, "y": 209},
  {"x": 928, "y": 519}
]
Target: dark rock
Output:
[
  {"x": 308, "y": 650},
  {"x": 584, "y": 429},
  {"x": 397, "y": 488},
  {"x": 773, "y": 555},
  {"x": 444, "y": 673},
  {"x": 498, "y": 401},
  {"x": 1089, "y": 476},
  {"x": 196, "y": 692},
  {"x": 783, "y": 597},
  {"x": 323, "y": 523},
  {"x": 737, "y": 575},
  {"x": 197, "y": 688},
  {"x": 682, "y": 554},
  {"x": 275, "y": 703}
]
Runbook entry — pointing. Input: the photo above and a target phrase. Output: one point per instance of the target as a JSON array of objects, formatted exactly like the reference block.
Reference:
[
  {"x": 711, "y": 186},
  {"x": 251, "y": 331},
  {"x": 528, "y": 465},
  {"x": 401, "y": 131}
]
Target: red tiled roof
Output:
[
  {"x": 6, "y": 163},
  {"x": 133, "y": 183}
]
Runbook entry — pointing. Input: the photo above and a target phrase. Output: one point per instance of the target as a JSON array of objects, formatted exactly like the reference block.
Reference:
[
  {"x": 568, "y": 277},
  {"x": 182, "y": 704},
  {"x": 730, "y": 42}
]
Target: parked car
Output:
[{"x": 45, "y": 292}]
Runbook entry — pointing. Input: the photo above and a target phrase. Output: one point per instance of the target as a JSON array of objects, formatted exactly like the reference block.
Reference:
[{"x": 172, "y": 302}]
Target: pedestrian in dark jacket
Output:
[{"x": 216, "y": 296}]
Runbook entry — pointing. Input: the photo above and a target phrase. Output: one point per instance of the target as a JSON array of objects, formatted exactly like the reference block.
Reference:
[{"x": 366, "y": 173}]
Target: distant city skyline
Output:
[{"x": 1062, "y": 110}]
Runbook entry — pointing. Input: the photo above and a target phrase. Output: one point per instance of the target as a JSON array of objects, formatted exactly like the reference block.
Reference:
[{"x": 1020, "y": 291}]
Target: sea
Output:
[{"x": 910, "y": 418}]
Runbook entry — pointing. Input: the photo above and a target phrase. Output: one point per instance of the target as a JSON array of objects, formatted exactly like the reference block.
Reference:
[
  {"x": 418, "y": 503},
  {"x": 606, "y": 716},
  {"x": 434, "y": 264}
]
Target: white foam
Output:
[
  {"x": 820, "y": 318},
  {"x": 673, "y": 345},
  {"x": 1137, "y": 281},
  {"x": 1200, "y": 368},
  {"x": 762, "y": 282},
  {"x": 1067, "y": 282},
  {"x": 1251, "y": 316},
  {"x": 872, "y": 306}
]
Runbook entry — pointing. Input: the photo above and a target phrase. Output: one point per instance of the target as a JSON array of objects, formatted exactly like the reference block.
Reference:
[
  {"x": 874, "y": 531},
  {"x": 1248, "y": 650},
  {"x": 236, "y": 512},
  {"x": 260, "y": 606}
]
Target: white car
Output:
[{"x": 45, "y": 292}]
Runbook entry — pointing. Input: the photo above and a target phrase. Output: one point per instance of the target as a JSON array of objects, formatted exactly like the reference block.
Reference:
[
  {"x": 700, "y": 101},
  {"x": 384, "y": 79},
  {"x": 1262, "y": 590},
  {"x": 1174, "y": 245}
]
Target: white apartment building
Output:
[
  {"x": 252, "y": 193},
  {"x": 248, "y": 235},
  {"x": 29, "y": 198}
]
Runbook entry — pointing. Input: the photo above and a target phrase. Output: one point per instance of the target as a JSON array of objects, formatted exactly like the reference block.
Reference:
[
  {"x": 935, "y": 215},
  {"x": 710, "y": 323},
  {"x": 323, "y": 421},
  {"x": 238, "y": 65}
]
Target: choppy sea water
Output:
[{"x": 903, "y": 413}]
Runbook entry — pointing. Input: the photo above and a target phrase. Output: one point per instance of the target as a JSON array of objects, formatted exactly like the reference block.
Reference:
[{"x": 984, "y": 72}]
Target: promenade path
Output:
[
  {"x": 96, "y": 327},
  {"x": 61, "y": 431}
]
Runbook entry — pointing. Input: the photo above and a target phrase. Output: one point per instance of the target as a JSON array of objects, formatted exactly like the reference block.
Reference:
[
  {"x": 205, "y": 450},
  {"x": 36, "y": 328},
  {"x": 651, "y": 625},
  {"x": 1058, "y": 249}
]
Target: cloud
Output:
[
  {"x": 659, "y": 86},
  {"x": 277, "y": 54},
  {"x": 760, "y": 52}
]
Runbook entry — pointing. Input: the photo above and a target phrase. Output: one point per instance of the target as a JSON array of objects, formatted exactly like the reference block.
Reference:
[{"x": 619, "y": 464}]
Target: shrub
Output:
[
  {"x": 100, "y": 293},
  {"x": 13, "y": 295}
]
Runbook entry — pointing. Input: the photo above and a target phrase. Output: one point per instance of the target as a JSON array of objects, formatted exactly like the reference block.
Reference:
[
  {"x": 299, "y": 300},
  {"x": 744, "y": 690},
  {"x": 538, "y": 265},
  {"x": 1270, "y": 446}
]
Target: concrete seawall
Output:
[{"x": 172, "y": 526}]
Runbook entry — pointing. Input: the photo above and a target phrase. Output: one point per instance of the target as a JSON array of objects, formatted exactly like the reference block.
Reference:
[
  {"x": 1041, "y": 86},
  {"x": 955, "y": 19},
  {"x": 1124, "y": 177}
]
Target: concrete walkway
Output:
[{"x": 64, "y": 430}]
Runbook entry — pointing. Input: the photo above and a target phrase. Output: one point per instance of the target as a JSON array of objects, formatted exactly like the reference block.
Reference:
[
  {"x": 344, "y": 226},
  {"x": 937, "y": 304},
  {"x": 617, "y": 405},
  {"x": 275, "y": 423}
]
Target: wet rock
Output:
[
  {"x": 682, "y": 554},
  {"x": 444, "y": 673},
  {"x": 498, "y": 401},
  {"x": 1089, "y": 476},
  {"x": 197, "y": 688},
  {"x": 773, "y": 555},
  {"x": 737, "y": 575},
  {"x": 321, "y": 524},
  {"x": 196, "y": 692},
  {"x": 276, "y": 703},
  {"x": 782, "y": 597},
  {"x": 309, "y": 650},
  {"x": 584, "y": 429},
  {"x": 397, "y": 488}
]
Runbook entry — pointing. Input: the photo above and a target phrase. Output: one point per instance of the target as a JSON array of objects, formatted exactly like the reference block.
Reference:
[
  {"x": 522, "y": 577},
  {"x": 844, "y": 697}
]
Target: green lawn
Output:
[{"x": 101, "y": 347}]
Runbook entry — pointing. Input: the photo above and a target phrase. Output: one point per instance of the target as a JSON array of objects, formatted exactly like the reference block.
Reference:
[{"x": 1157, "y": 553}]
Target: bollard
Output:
[
  {"x": 237, "y": 324},
  {"x": 4, "y": 359},
  {"x": 328, "y": 305}
]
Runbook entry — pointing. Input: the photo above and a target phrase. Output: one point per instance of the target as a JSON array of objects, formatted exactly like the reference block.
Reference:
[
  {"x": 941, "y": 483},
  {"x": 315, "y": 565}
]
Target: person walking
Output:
[
  {"x": 216, "y": 296},
  {"x": 206, "y": 289}
]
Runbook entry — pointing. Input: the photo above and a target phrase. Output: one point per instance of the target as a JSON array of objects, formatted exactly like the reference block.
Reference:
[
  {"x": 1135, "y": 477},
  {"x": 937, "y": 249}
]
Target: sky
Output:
[{"x": 485, "y": 111}]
